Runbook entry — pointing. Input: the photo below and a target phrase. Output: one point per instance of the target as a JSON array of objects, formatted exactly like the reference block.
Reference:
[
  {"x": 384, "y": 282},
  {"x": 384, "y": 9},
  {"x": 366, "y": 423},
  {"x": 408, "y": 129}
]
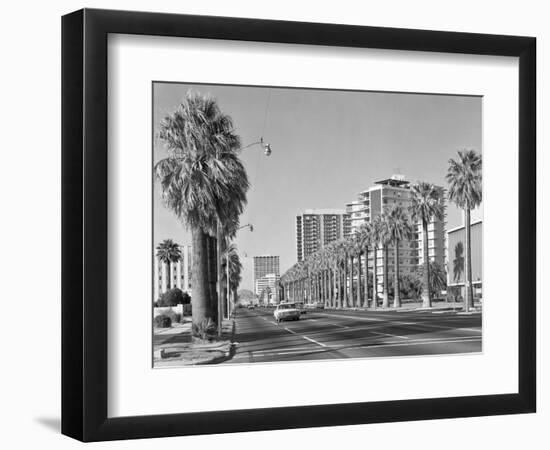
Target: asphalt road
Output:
[{"x": 336, "y": 334}]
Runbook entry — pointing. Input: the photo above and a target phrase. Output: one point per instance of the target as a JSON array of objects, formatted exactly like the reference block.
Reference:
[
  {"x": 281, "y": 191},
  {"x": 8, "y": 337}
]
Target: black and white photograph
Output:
[{"x": 300, "y": 224}]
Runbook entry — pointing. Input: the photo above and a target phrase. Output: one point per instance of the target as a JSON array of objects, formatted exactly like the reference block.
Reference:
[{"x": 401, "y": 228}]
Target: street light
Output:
[
  {"x": 266, "y": 146},
  {"x": 267, "y": 152}
]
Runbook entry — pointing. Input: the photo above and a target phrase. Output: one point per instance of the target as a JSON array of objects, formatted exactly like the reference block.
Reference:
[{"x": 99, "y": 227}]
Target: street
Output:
[{"x": 337, "y": 334}]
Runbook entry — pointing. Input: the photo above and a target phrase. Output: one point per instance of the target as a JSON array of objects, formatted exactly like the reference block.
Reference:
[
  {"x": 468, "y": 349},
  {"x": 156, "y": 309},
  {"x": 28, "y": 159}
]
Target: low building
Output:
[
  {"x": 456, "y": 264},
  {"x": 174, "y": 275}
]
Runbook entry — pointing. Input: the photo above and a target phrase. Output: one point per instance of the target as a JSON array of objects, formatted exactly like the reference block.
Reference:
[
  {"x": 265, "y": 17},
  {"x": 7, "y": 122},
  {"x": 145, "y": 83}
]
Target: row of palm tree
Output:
[
  {"x": 339, "y": 274},
  {"x": 204, "y": 183}
]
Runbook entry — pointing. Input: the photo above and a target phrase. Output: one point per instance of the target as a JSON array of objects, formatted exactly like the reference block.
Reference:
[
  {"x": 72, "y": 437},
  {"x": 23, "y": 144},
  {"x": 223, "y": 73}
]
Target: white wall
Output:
[{"x": 30, "y": 187}]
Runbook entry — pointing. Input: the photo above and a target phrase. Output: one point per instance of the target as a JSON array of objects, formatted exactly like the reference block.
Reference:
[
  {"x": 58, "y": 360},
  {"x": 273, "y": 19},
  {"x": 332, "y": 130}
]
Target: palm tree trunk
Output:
[
  {"x": 358, "y": 301},
  {"x": 199, "y": 276},
  {"x": 375, "y": 279},
  {"x": 219, "y": 251},
  {"x": 366, "y": 279},
  {"x": 426, "y": 294},
  {"x": 211, "y": 276},
  {"x": 385, "y": 300},
  {"x": 337, "y": 283},
  {"x": 325, "y": 286},
  {"x": 351, "y": 286},
  {"x": 469, "y": 297},
  {"x": 334, "y": 286},
  {"x": 396, "y": 295},
  {"x": 346, "y": 299}
]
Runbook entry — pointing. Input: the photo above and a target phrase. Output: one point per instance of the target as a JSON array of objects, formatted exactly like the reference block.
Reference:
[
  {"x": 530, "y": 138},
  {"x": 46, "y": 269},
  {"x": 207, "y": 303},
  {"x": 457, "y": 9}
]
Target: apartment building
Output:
[
  {"x": 173, "y": 275},
  {"x": 316, "y": 228}
]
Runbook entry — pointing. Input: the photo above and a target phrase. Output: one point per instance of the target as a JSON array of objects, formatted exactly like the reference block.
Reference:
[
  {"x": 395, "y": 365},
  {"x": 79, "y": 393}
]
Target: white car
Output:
[{"x": 286, "y": 311}]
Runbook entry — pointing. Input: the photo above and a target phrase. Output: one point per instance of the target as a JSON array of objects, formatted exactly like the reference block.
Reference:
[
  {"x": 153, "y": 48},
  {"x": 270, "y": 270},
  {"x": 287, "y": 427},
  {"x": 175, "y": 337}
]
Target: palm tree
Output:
[
  {"x": 202, "y": 181},
  {"x": 438, "y": 277},
  {"x": 232, "y": 266},
  {"x": 168, "y": 252},
  {"x": 366, "y": 240},
  {"x": 358, "y": 248},
  {"x": 330, "y": 258},
  {"x": 343, "y": 258},
  {"x": 464, "y": 178},
  {"x": 399, "y": 229},
  {"x": 426, "y": 206},
  {"x": 378, "y": 231},
  {"x": 382, "y": 240}
]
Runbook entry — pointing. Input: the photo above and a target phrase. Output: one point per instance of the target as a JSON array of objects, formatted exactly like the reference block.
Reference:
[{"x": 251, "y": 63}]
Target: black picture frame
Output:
[{"x": 84, "y": 224}]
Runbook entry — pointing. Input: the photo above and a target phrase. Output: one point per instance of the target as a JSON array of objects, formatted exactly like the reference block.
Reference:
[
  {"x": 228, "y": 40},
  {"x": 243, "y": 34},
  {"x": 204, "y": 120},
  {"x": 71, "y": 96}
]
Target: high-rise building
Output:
[
  {"x": 316, "y": 228},
  {"x": 173, "y": 275},
  {"x": 380, "y": 197},
  {"x": 266, "y": 287},
  {"x": 263, "y": 266}
]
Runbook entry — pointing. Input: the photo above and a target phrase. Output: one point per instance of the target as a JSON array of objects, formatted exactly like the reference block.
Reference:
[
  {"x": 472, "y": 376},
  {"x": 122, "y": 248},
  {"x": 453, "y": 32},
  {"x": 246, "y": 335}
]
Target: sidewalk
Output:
[
  {"x": 175, "y": 347},
  {"x": 417, "y": 306}
]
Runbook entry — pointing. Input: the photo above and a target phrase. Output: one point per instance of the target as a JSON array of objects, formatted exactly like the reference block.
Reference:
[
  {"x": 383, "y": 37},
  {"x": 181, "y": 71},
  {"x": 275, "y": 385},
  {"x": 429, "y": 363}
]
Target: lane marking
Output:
[
  {"x": 305, "y": 337},
  {"x": 351, "y": 317},
  {"x": 339, "y": 326},
  {"x": 427, "y": 342},
  {"x": 314, "y": 341},
  {"x": 392, "y": 335},
  {"x": 273, "y": 352}
]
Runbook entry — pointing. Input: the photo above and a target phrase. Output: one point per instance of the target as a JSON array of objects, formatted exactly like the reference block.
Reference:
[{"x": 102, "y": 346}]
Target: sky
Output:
[{"x": 327, "y": 146}]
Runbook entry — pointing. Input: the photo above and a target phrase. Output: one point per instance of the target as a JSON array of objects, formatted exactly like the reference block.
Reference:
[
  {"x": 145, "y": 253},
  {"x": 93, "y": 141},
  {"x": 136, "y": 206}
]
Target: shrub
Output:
[
  {"x": 163, "y": 321},
  {"x": 410, "y": 287},
  {"x": 172, "y": 297},
  {"x": 186, "y": 298},
  {"x": 204, "y": 330}
]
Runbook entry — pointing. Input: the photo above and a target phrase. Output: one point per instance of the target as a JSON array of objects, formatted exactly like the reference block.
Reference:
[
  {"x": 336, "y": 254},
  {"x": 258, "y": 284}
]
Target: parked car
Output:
[
  {"x": 250, "y": 306},
  {"x": 286, "y": 311},
  {"x": 301, "y": 307}
]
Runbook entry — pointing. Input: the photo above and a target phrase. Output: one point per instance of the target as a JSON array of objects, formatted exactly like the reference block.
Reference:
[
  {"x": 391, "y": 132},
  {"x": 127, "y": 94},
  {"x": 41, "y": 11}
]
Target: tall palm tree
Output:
[
  {"x": 231, "y": 264},
  {"x": 330, "y": 258},
  {"x": 366, "y": 240},
  {"x": 382, "y": 240},
  {"x": 378, "y": 237},
  {"x": 464, "y": 178},
  {"x": 168, "y": 252},
  {"x": 202, "y": 181},
  {"x": 426, "y": 205},
  {"x": 399, "y": 229},
  {"x": 358, "y": 249},
  {"x": 343, "y": 256}
]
